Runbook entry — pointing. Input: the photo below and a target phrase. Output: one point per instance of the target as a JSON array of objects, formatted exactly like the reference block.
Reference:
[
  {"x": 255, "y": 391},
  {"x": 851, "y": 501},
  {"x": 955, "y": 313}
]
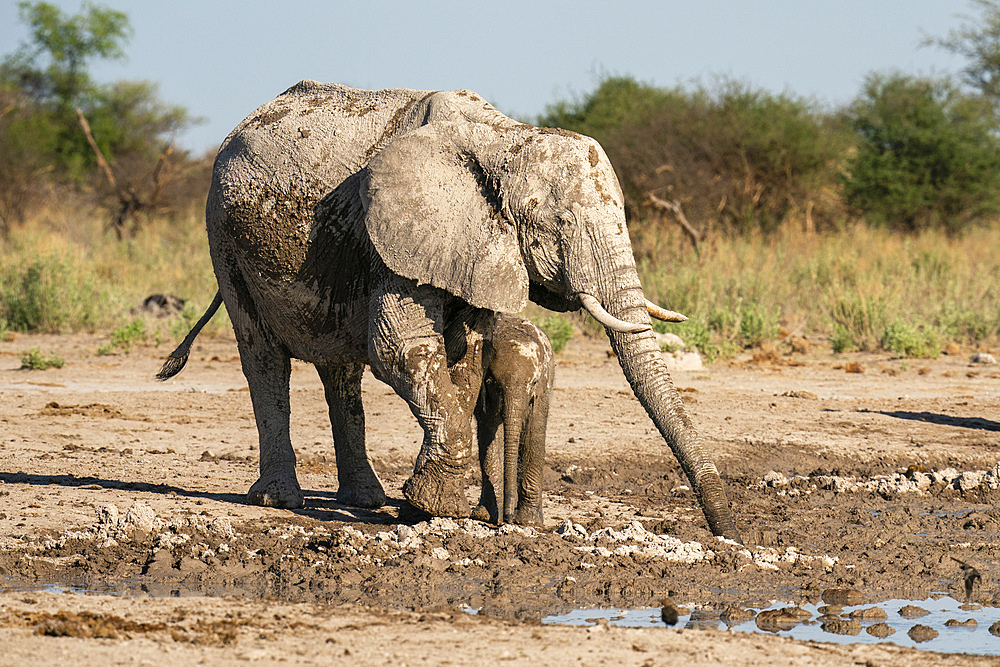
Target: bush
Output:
[
  {"x": 124, "y": 337},
  {"x": 34, "y": 360},
  {"x": 758, "y": 324},
  {"x": 858, "y": 323},
  {"x": 700, "y": 336},
  {"x": 558, "y": 329},
  {"x": 736, "y": 159},
  {"x": 928, "y": 155},
  {"x": 50, "y": 296},
  {"x": 906, "y": 341}
]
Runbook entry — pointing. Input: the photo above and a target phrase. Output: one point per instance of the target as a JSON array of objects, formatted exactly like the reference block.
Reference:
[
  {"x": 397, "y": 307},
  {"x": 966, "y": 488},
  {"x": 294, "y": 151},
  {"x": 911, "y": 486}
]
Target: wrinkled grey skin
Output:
[
  {"x": 511, "y": 416},
  {"x": 350, "y": 227}
]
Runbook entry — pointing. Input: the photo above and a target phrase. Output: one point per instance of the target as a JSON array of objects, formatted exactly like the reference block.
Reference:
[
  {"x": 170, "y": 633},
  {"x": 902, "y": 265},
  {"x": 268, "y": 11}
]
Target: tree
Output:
[
  {"x": 48, "y": 90},
  {"x": 52, "y": 67},
  {"x": 727, "y": 158},
  {"x": 978, "y": 40},
  {"x": 927, "y": 155}
]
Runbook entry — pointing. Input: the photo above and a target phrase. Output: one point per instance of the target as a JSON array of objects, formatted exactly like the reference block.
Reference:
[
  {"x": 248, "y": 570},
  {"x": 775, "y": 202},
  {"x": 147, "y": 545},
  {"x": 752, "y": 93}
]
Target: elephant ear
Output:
[{"x": 434, "y": 216}]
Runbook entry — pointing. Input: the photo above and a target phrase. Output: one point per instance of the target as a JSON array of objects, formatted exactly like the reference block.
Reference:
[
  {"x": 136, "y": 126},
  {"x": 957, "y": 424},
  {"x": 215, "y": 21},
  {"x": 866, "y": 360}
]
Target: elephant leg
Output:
[
  {"x": 531, "y": 455},
  {"x": 407, "y": 352},
  {"x": 359, "y": 486},
  {"x": 267, "y": 367},
  {"x": 488, "y": 423}
]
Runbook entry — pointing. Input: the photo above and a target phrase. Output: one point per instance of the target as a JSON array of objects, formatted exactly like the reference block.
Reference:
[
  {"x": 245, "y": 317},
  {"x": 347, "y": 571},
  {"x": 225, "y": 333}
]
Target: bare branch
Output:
[
  {"x": 674, "y": 207},
  {"x": 101, "y": 162}
]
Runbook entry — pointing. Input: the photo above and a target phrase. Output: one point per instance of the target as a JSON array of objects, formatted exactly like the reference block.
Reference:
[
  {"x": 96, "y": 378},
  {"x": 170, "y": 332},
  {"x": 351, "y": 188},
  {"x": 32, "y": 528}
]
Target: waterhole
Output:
[
  {"x": 939, "y": 623},
  {"x": 944, "y": 628}
]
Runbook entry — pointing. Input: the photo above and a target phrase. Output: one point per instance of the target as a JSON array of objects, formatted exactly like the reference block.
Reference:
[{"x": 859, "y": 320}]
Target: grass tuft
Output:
[
  {"x": 558, "y": 329},
  {"x": 124, "y": 337},
  {"x": 35, "y": 360}
]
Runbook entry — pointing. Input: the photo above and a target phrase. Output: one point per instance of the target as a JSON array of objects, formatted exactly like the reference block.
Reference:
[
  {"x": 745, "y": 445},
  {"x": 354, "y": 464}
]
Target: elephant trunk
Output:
[
  {"x": 512, "y": 432},
  {"x": 645, "y": 370},
  {"x": 617, "y": 287}
]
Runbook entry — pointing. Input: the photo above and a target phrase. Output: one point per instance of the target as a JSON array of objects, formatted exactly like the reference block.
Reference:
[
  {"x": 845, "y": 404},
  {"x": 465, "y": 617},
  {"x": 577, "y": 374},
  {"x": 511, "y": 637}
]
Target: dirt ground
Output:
[{"x": 855, "y": 479}]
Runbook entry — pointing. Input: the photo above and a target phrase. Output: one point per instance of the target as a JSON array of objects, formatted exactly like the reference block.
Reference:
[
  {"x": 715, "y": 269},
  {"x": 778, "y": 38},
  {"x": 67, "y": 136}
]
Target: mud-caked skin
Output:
[
  {"x": 511, "y": 416},
  {"x": 347, "y": 226}
]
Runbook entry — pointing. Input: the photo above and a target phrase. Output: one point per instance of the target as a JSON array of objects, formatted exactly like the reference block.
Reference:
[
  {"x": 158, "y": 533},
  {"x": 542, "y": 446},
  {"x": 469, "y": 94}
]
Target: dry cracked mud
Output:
[{"x": 864, "y": 474}]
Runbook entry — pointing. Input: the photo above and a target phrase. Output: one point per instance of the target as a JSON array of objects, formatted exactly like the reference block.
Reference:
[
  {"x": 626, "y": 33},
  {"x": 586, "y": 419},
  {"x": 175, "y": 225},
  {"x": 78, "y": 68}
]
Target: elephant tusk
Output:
[
  {"x": 664, "y": 314},
  {"x": 597, "y": 311}
]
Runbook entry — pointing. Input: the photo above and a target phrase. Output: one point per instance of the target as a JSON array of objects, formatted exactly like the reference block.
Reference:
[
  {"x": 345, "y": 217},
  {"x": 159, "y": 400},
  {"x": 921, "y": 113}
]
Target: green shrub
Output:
[
  {"x": 928, "y": 155},
  {"x": 758, "y": 324},
  {"x": 699, "y": 336},
  {"x": 738, "y": 158},
  {"x": 50, "y": 295},
  {"x": 124, "y": 337},
  {"x": 34, "y": 360},
  {"x": 858, "y": 323},
  {"x": 558, "y": 329},
  {"x": 906, "y": 341}
]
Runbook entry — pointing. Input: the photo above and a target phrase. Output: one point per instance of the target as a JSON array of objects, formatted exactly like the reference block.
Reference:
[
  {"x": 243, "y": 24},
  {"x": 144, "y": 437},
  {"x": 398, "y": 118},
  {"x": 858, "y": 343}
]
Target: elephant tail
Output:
[{"x": 175, "y": 362}]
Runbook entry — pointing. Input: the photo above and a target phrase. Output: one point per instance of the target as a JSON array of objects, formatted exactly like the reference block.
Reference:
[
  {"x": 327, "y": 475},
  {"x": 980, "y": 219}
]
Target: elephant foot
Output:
[
  {"x": 437, "y": 494},
  {"x": 281, "y": 490},
  {"x": 528, "y": 516},
  {"x": 368, "y": 494},
  {"x": 482, "y": 514}
]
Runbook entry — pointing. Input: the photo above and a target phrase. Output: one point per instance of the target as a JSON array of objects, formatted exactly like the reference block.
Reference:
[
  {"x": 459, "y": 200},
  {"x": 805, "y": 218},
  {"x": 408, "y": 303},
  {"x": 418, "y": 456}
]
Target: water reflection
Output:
[{"x": 948, "y": 626}]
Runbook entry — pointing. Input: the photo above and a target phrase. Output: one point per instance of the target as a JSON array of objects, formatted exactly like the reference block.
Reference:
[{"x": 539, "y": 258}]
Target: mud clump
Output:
[
  {"x": 776, "y": 620},
  {"x": 912, "y": 611},
  {"x": 880, "y": 630},
  {"x": 735, "y": 615},
  {"x": 842, "y": 626},
  {"x": 98, "y": 410},
  {"x": 922, "y": 633},
  {"x": 869, "y": 614},
  {"x": 843, "y": 597},
  {"x": 88, "y": 625}
]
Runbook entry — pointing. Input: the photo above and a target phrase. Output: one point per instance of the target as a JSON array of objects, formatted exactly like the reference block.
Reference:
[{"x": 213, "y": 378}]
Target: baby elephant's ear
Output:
[{"x": 434, "y": 217}]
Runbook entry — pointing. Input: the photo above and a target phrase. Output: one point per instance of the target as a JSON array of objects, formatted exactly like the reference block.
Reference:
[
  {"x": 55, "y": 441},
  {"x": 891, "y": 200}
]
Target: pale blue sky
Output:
[{"x": 223, "y": 58}]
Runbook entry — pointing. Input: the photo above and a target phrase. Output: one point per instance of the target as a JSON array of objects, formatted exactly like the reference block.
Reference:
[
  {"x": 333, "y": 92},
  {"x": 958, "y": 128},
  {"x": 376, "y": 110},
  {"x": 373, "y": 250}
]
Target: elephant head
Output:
[{"x": 496, "y": 211}]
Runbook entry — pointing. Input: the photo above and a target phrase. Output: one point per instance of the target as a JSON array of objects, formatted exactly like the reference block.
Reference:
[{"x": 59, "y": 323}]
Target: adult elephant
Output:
[{"x": 351, "y": 227}]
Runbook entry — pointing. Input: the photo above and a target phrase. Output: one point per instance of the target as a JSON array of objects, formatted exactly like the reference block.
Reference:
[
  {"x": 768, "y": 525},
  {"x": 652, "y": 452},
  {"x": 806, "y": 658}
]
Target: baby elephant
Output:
[{"x": 518, "y": 365}]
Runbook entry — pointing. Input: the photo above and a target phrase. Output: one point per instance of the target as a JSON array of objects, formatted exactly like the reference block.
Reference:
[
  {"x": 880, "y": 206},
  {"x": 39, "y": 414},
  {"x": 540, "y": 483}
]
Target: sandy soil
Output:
[{"x": 858, "y": 477}]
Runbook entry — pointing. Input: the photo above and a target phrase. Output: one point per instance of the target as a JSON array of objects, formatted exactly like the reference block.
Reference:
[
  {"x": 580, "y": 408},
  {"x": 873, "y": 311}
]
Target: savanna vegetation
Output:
[{"x": 872, "y": 226}]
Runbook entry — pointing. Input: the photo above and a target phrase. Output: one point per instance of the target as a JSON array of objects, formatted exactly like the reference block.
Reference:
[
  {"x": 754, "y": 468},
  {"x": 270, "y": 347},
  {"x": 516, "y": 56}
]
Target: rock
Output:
[
  {"x": 995, "y": 629},
  {"x": 869, "y": 614},
  {"x": 909, "y": 611},
  {"x": 799, "y": 612},
  {"x": 808, "y": 395},
  {"x": 922, "y": 633},
  {"x": 984, "y": 358},
  {"x": 683, "y": 361},
  {"x": 775, "y": 478},
  {"x": 670, "y": 342},
  {"x": 160, "y": 305},
  {"x": 736, "y": 615},
  {"x": 970, "y": 480},
  {"x": 842, "y": 596},
  {"x": 843, "y": 626},
  {"x": 669, "y": 614},
  {"x": 880, "y": 630},
  {"x": 775, "y": 620},
  {"x": 955, "y": 623}
]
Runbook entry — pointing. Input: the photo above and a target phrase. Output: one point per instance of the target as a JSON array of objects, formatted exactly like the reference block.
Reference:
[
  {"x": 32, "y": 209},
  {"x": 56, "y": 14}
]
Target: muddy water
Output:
[{"x": 939, "y": 623}]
